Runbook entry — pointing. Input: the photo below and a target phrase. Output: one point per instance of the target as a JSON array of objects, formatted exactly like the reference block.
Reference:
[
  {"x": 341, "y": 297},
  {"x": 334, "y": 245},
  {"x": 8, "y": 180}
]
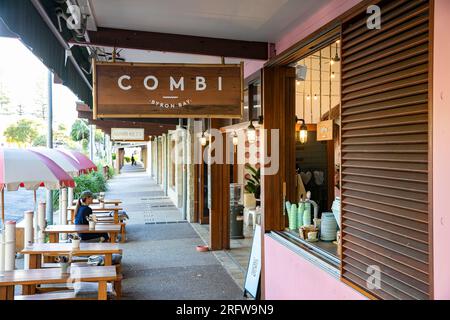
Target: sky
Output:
[{"x": 20, "y": 71}]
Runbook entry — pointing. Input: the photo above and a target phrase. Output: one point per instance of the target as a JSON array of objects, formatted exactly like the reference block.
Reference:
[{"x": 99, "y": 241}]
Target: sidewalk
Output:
[{"x": 160, "y": 260}]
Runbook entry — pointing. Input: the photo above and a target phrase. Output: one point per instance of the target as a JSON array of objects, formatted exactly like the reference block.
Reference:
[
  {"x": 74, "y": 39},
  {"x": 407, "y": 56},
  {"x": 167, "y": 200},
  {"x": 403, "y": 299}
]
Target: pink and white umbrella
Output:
[
  {"x": 84, "y": 164},
  {"x": 66, "y": 162},
  {"x": 31, "y": 170}
]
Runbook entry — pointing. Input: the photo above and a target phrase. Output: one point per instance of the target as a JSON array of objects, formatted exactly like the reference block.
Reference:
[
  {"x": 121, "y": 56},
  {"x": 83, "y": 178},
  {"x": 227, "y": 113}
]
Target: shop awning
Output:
[{"x": 23, "y": 19}]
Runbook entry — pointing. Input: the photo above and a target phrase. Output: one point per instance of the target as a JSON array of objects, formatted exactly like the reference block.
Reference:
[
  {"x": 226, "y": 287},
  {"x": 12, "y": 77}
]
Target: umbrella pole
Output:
[
  {"x": 35, "y": 218},
  {"x": 3, "y": 206},
  {"x": 2, "y": 236}
]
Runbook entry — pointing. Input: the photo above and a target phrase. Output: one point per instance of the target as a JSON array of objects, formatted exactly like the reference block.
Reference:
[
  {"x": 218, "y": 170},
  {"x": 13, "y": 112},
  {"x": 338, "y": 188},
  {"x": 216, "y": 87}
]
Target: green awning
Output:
[{"x": 22, "y": 18}]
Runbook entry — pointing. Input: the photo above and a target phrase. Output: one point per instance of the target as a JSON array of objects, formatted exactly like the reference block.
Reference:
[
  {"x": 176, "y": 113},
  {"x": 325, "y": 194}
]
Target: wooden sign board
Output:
[
  {"x": 136, "y": 90},
  {"x": 325, "y": 130},
  {"x": 125, "y": 134}
]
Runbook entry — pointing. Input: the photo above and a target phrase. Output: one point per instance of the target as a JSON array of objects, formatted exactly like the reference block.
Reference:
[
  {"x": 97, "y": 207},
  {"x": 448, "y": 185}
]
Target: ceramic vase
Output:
[
  {"x": 300, "y": 212},
  {"x": 293, "y": 217},
  {"x": 336, "y": 208},
  {"x": 307, "y": 215},
  {"x": 328, "y": 227}
]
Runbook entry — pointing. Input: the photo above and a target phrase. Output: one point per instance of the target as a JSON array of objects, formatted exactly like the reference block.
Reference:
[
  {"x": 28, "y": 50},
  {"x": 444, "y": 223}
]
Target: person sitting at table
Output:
[{"x": 82, "y": 213}]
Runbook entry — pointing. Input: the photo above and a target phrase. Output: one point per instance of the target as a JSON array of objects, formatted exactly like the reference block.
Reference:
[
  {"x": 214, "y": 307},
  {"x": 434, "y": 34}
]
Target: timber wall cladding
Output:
[{"x": 385, "y": 161}]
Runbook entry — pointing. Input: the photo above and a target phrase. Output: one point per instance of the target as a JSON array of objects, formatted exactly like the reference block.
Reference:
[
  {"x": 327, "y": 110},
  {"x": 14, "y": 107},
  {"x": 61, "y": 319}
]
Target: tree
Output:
[
  {"x": 20, "y": 111},
  {"x": 4, "y": 101},
  {"x": 22, "y": 132},
  {"x": 40, "y": 141},
  {"x": 80, "y": 132},
  {"x": 40, "y": 101}
]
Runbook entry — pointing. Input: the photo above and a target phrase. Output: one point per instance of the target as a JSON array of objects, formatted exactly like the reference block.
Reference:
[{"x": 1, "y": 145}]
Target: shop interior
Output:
[{"x": 314, "y": 218}]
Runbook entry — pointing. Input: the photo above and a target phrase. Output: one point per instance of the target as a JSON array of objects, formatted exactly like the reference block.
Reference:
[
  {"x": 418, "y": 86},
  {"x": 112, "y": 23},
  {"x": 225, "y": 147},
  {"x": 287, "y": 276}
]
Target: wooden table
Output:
[
  {"x": 56, "y": 249},
  {"x": 97, "y": 208},
  {"x": 115, "y": 202},
  {"x": 29, "y": 279},
  {"x": 54, "y": 230}
]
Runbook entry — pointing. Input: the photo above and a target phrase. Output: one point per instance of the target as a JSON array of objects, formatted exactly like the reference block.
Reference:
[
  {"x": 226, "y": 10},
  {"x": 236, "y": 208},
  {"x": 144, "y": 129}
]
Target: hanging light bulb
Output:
[
  {"x": 336, "y": 57},
  {"x": 315, "y": 97},
  {"x": 301, "y": 131},
  {"x": 308, "y": 97},
  {"x": 203, "y": 140},
  {"x": 235, "y": 139},
  {"x": 333, "y": 75},
  {"x": 251, "y": 133}
]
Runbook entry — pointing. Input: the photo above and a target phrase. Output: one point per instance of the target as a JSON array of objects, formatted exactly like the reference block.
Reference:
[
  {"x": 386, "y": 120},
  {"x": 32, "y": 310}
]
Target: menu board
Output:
[{"x": 252, "y": 278}]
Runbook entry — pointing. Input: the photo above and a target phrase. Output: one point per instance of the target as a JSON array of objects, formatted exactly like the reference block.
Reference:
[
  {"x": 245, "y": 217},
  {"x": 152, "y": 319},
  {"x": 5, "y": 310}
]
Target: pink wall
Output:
[
  {"x": 326, "y": 14},
  {"x": 441, "y": 150},
  {"x": 291, "y": 277}
]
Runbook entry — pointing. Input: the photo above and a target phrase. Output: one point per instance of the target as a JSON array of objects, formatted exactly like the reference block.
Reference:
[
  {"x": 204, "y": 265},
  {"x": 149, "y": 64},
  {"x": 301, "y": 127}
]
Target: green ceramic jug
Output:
[
  {"x": 300, "y": 211},
  {"x": 293, "y": 217}
]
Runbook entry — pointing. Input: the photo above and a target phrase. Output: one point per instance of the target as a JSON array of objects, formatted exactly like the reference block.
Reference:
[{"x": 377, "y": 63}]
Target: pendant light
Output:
[
  {"x": 203, "y": 139},
  {"x": 336, "y": 57},
  {"x": 251, "y": 133},
  {"x": 301, "y": 131},
  {"x": 235, "y": 139}
]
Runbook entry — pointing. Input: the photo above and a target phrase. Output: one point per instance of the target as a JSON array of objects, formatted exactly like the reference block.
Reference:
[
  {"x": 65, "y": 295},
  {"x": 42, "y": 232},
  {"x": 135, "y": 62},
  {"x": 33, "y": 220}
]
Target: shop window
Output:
[
  {"x": 256, "y": 99},
  {"x": 318, "y": 159}
]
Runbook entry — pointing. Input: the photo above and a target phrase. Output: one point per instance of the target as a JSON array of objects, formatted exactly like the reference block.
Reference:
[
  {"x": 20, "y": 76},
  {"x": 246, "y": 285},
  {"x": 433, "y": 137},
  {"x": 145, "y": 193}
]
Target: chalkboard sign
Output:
[{"x": 253, "y": 276}]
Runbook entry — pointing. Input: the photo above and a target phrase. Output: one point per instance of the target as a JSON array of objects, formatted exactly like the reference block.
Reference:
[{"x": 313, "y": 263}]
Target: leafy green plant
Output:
[
  {"x": 93, "y": 181},
  {"x": 253, "y": 184},
  {"x": 127, "y": 159}
]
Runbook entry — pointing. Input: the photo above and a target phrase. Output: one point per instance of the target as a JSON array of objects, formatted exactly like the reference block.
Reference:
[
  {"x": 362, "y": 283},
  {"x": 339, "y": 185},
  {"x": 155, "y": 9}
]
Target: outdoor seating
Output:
[
  {"x": 55, "y": 230},
  {"x": 29, "y": 279}
]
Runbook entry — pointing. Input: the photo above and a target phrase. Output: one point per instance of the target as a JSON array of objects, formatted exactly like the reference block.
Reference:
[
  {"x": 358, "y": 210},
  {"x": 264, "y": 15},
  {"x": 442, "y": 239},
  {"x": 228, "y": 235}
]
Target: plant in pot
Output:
[
  {"x": 64, "y": 263},
  {"x": 253, "y": 182},
  {"x": 75, "y": 239},
  {"x": 92, "y": 222}
]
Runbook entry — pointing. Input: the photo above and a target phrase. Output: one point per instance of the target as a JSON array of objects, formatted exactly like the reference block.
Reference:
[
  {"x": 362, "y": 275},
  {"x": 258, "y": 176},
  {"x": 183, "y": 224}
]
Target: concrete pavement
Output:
[{"x": 160, "y": 260}]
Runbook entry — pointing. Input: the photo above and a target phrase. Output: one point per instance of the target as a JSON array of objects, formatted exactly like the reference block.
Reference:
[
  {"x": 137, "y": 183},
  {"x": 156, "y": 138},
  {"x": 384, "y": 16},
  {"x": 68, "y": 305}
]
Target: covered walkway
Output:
[{"x": 160, "y": 260}]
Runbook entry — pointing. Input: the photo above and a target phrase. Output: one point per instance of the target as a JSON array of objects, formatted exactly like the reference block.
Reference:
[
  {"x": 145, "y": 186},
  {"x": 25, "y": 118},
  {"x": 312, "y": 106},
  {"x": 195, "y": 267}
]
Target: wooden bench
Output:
[
  {"x": 54, "y": 295},
  {"x": 54, "y": 230},
  {"x": 29, "y": 279}
]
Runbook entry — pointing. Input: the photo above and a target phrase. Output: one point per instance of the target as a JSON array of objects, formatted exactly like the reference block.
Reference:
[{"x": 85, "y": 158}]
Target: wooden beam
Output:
[
  {"x": 166, "y": 42},
  {"x": 85, "y": 112},
  {"x": 219, "y": 217}
]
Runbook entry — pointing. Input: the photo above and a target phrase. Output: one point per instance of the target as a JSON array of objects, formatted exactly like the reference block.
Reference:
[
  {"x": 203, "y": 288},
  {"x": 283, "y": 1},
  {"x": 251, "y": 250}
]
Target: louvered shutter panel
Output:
[{"x": 385, "y": 161}]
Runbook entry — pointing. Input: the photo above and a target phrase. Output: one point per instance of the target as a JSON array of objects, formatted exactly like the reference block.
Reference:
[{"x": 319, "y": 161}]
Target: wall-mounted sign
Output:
[
  {"x": 325, "y": 130},
  {"x": 132, "y": 90},
  {"x": 128, "y": 134}
]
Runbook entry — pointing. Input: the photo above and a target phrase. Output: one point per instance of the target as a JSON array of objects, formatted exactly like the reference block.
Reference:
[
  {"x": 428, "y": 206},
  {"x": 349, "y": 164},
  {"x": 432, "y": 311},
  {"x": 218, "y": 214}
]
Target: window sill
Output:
[{"x": 312, "y": 253}]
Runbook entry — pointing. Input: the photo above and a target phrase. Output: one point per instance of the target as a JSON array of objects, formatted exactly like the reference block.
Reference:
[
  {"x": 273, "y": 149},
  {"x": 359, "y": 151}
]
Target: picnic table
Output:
[
  {"x": 29, "y": 279},
  {"x": 54, "y": 230},
  {"x": 97, "y": 208},
  {"x": 37, "y": 250},
  {"x": 115, "y": 202}
]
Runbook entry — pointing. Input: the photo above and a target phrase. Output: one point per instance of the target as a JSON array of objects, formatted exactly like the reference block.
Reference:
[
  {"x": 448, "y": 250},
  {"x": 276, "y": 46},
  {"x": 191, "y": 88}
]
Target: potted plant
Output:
[
  {"x": 64, "y": 263},
  {"x": 253, "y": 182},
  {"x": 75, "y": 239},
  {"x": 92, "y": 221}
]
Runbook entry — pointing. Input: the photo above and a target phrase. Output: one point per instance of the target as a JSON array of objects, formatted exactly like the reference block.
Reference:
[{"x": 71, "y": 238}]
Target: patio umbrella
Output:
[
  {"x": 85, "y": 165},
  {"x": 66, "y": 162},
  {"x": 31, "y": 170}
]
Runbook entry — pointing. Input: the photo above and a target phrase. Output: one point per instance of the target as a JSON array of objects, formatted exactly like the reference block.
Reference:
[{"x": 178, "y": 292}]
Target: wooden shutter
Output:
[{"x": 385, "y": 143}]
